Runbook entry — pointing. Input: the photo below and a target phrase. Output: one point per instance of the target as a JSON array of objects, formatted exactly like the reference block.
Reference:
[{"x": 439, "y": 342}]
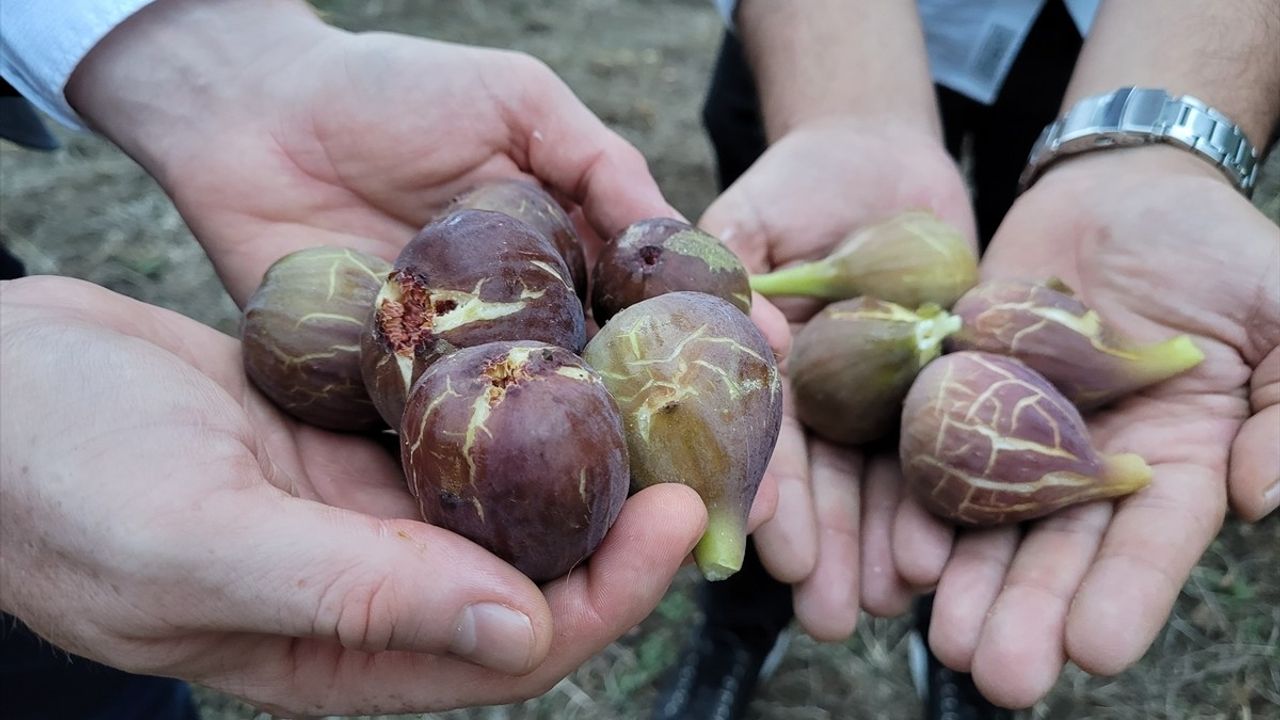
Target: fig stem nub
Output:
[
  {"x": 1125, "y": 474},
  {"x": 720, "y": 551},
  {"x": 807, "y": 279}
]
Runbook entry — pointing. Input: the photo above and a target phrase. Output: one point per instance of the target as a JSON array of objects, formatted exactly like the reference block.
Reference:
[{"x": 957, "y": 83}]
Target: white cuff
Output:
[{"x": 42, "y": 42}]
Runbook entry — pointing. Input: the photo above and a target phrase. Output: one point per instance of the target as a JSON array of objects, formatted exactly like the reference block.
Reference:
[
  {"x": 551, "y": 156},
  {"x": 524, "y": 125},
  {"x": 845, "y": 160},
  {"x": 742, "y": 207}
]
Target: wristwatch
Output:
[{"x": 1140, "y": 116}]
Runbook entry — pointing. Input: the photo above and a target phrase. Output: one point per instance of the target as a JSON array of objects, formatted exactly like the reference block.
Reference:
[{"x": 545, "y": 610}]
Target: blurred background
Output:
[{"x": 88, "y": 211}]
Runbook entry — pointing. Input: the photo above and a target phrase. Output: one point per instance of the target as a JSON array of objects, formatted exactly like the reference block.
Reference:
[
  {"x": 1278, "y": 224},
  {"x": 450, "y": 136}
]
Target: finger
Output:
[
  {"x": 733, "y": 219},
  {"x": 969, "y": 584},
  {"x": 788, "y": 543},
  {"x": 1254, "y": 479},
  {"x": 826, "y": 602},
  {"x": 764, "y": 505},
  {"x": 773, "y": 325},
  {"x": 921, "y": 544},
  {"x": 1020, "y": 651},
  {"x": 1155, "y": 539},
  {"x": 884, "y": 593}
]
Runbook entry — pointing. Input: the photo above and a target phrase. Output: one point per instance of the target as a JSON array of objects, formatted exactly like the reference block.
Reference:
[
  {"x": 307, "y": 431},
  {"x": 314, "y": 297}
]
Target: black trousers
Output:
[{"x": 1002, "y": 135}]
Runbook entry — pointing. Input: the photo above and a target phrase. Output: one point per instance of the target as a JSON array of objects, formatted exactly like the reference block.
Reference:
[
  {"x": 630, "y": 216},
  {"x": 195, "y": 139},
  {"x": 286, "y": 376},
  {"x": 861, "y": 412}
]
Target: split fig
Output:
[
  {"x": 910, "y": 259},
  {"x": 1045, "y": 326},
  {"x": 518, "y": 447},
  {"x": 662, "y": 255},
  {"x": 701, "y": 403},
  {"x": 986, "y": 440},
  {"x": 300, "y": 336},
  {"x": 852, "y": 364},
  {"x": 470, "y": 278}
]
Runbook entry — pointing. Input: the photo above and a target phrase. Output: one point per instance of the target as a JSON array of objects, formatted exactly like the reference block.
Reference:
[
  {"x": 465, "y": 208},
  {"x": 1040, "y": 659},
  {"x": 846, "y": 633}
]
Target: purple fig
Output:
[
  {"x": 471, "y": 278},
  {"x": 518, "y": 447},
  {"x": 662, "y": 255},
  {"x": 300, "y": 336},
  {"x": 986, "y": 440},
  {"x": 910, "y": 259},
  {"x": 526, "y": 201},
  {"x": 701, "y": 402},
  {"x": 852, "y": 364},
  {"x": 1045, "y": 326}
]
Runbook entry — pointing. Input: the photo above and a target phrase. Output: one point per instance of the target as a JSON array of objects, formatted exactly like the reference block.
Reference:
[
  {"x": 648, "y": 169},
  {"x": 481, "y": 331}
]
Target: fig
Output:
[
  {"x": 1045, "y": 326},
  {"x": 518, "y": 447},
  {"x": 852, "y": 364},
  {"x": 300, "y": 336},
  {"x": 526, "y": 201},
  {"x": 662, "y": 255},
  {"x": 986, "y": 440},
  {"x": 701, "y": 403},
  {"x": 910, "y": 259},
  {"x": 472, "y": 277}
]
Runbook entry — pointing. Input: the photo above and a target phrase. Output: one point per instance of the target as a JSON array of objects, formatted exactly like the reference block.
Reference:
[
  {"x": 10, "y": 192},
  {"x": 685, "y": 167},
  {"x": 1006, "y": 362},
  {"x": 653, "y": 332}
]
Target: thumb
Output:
[
  {"x": 1254, "y": 480},
  {"x": 303, "y": 569}
]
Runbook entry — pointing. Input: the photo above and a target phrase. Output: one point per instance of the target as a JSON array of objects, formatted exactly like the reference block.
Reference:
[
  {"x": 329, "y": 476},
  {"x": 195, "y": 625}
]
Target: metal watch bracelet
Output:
[{"x": 1140, "y": 116}]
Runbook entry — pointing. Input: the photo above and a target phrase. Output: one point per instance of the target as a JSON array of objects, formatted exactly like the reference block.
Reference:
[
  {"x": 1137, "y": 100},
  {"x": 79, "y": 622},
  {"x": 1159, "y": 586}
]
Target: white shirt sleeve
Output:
[{"x": 42, "y": 42}]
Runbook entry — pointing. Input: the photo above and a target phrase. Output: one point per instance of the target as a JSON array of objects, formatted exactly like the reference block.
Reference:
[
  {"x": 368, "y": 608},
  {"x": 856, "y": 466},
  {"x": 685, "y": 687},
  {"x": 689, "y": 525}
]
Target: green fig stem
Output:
[
  {"x": 1165, "y": 359},
  {"x": 720, "y": 551},
  {"x": 807, "y": 279},
  {"x": 931, "y": 332},
  {"x": 1125, "y": 474}
]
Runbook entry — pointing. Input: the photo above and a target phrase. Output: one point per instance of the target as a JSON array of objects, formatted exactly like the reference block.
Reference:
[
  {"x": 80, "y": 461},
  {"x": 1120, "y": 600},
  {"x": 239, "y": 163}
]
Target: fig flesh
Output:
[
  {"x": 986, "y": 440},
  {"x": 528, "y": 202},
  {"x": 701, "y": 403},
  {"x": 518, "y": 447},
  {"x": 1045, "y": 326},
  {"x": 910, "y": 259},
  {"x": 300, "y": 336},
  {"x": 662, "y": 255},
  {"x": 470, "y": 278},
  {"x": 852, "y": 364}
]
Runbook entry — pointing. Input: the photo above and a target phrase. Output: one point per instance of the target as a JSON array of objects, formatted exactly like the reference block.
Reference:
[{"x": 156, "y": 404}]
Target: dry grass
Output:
[{"x": 89, "y": 212}]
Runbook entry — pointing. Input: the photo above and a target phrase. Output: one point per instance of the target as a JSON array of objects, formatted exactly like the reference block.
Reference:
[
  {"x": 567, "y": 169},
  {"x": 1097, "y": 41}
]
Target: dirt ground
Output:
[{"x": 88, "y": 211}]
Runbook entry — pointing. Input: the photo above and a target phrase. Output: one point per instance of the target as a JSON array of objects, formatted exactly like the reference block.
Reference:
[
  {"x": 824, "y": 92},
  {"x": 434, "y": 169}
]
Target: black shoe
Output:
[
  {"x": 946, "y": 694},
  {"x": 717, "y": 675}
]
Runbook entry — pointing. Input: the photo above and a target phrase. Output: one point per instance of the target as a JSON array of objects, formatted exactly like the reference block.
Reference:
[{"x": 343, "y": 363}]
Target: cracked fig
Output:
[
  {"x": 986, "y": 440},
  {"x": 518, "y": 447},
  {"x": 701, "y": 402}
]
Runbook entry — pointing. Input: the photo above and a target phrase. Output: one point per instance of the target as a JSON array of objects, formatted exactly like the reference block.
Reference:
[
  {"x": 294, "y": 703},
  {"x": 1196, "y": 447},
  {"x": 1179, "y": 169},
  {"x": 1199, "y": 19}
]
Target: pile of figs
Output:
[
  {"x": 984, "y": 385},
  {"x": 514, "y": 431}
]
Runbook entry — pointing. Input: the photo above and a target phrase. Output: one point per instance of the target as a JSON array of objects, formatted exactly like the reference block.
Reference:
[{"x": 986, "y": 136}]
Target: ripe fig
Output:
[
  {"x": 910, "y": 259},
  {"x": 470, "y": 278},
  {"x": 986, "y": 440},
  {"x": 300, "y": 335},
  {"x": 662, "y": 255},
  {"x": 701, "y": 402},
  {"x": 526, "y": 201},
  {"x": 518, "y": 447},
  {"x": 852, "y": 364},
  {"x": 1045, "y": 326}
]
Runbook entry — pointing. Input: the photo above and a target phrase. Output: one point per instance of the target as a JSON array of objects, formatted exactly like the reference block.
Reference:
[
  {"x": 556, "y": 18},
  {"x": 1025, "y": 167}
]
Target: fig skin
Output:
[
  {"x": 661, "y": 255},
  {"x": 518, "y": 447},
  {"x": 528, "y": 202},
  {"x": 470, "y": 278},
  {"x": 701, "y": 402},
  {"x": 1045, "y": 326},
  {"x": 852, "y": 364},
  {"x": 300, "y": 336},
  {"x": 910, "y": 259},
  {"x": 986, "y": 440}
]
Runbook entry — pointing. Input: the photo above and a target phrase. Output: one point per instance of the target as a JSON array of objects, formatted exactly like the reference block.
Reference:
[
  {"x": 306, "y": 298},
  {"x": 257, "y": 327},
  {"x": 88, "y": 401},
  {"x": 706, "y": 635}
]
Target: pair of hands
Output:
[{"x": 1159, "y": 244}]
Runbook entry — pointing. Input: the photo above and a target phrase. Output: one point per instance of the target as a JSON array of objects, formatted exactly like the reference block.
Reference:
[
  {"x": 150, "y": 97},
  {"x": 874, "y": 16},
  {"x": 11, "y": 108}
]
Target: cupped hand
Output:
[
  {"x": 158, "y": 515},
  {"x": 1159, "y": 244},
  {"x": 804, "y": 195}
]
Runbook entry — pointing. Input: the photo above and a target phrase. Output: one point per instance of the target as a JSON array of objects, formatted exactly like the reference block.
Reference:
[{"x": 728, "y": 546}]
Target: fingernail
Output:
[
  {"x": 1271, "y": 497},
  {"x": 494, "y": 636}
]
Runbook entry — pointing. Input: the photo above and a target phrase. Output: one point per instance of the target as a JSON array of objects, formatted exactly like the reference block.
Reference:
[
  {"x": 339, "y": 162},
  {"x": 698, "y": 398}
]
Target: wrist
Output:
[
  {"x": 172, "y": 74},
  {"x": 1155, "y": 161}
]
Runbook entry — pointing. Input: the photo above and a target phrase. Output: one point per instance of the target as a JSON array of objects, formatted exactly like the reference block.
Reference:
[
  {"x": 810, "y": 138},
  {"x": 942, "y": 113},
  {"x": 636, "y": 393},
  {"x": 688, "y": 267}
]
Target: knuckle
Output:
[{"x": 358, "y": 612}]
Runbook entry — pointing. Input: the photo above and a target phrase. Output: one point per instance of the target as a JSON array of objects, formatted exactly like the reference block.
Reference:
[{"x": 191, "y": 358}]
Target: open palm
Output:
[{"x": 1158, "y": 250}]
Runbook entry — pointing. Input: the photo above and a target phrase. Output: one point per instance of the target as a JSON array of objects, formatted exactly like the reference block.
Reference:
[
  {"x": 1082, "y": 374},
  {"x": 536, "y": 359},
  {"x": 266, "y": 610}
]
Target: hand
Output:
[
  {"x": 796, "y": 203},
  {"x": 273, "y": 131},
  {"x": 159, "y": 516},
  {"x": 1159, "y": 244}
]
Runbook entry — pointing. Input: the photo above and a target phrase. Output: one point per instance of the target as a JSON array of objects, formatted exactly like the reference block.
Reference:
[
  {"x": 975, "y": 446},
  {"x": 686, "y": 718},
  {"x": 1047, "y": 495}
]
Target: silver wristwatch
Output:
[{"x": 1139, "y": 116}]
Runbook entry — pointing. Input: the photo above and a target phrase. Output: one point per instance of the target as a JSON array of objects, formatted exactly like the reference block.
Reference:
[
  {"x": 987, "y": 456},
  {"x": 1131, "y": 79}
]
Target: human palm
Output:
[{"x": 1158, "y": 249}]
